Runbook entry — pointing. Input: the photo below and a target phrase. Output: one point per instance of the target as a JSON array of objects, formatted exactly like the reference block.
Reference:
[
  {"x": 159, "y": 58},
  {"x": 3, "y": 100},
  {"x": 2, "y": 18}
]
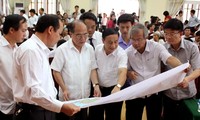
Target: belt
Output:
[{"x": 27, "y": 106}]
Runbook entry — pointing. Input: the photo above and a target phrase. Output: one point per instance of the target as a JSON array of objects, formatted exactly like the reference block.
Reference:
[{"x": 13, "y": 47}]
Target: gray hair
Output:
[{"x": 135, "y": 29}]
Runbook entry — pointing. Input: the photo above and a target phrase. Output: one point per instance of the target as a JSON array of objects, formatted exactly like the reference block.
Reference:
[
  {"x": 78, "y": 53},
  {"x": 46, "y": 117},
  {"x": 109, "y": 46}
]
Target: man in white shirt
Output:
[
  {"x": 41, "y": 12},
  {"x": 36, "y": 97},
  {"x": 23, "y": 13},
  {"x": 32, "y": 21},
  {"x": 94, "y": 37},
  {"x": 144, "y": 61},
  {"x": 14, "y": 31},
  {"x": 112, "y": 69},
  {"x": 74, "y": 65},
  {"x": 193, "y": 21}
]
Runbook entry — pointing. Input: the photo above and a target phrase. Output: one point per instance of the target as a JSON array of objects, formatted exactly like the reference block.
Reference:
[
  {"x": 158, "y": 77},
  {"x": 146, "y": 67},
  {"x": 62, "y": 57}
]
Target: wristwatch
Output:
[
  {"x": 118, "y": 85},
  {"x": 95, "y": 84}
]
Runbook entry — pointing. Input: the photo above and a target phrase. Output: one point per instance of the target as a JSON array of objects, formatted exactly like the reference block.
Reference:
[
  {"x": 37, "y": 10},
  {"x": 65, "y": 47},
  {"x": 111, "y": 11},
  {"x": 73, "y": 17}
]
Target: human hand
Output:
[
  {"x": 184, "y": 83},
  {"x": 70, "y": 109},
  {"x": 132, "y": 75},
  {"x": 97, "y": 91},
  {"x": 115, "y": 89},
  {"x": 65, "y": 95}
]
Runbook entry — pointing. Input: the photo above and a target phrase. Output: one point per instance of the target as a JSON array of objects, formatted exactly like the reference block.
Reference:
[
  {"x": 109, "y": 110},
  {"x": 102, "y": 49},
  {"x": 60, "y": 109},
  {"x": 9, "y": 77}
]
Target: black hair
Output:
[
  {"x": 192, "y": 11},
  {"x": 42, "y": 9},
  {"x": 187, "y": 28},
  {"x": 125, "y": 18},
  {"x": 13, "y": 21},
  {"x": 174, "y": 24},
  {"x": 82, "y": 11},
  {"x": 76, "y": 6},
  {"x": 165, "y": 13},
  {"x": 88, "y": 15},
  {"x": 32, "y": 10},
  {"x": 197, "y": 33},
  {"x": 46, "y": 21},
  {"x": 109, "y": 31},
  {"x": 22, "y": 11}
]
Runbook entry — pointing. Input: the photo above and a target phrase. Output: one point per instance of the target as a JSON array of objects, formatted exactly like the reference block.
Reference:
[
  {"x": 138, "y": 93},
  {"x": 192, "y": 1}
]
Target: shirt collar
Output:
[
  {"x": 41, "y": 44},
  {"x": 147, "y": 47},
  {"x": 4, "y": 42},
  {"x": 168, "y": 46},
  {"x": 71, "y": 45},
  {"x": 114, "y": 53}
]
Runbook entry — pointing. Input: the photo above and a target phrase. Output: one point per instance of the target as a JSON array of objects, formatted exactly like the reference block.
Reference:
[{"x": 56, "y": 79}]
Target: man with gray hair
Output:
[{"x": 144, "y": 61}]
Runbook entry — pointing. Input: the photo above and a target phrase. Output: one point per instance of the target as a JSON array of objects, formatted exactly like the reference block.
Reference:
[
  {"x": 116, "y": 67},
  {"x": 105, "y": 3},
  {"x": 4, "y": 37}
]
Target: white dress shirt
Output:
[
  {"x": 75, "y": 68},
  {"x": 32, "y": 21},
  {"x": 147, "y": 64},
  {"x": 34, "y": 83},
  {"x": 108, "y": 65},
  {"x": 96, "y": 38},
  {"x": 7, "y": 103}
]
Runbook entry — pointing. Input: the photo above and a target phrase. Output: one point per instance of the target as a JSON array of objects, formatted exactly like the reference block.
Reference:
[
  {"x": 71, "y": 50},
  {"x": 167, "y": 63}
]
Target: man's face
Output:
[
  {"x": 187, "y": 32},
  {"x": 76, "y": 9},
  {"x": 80, "y": 35},
  {"x": 55, "y": 35},
  {"x": 41, "y": 12},
  {"x": 172, "y": 37},
  {"x": 197, "y": 38},
  {"x": 138, "y": 41},
  {"x": 91, "y": 26},
  {"x": 124, "y": 28},
  {"x": 110, "y": 43},
  {"x": 20, "y": 34}
]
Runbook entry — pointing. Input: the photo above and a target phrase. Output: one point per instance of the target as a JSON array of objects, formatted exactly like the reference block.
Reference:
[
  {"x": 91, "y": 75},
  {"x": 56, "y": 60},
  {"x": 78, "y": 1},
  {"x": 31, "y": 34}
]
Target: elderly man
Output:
[
  {"x": 144, "y": 61},
  {"x": 74, "y": 65}
]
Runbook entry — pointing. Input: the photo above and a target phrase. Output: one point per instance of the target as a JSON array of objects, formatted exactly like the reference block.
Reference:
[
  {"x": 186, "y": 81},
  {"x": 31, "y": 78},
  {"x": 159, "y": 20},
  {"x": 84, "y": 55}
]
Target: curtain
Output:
[
  {"x": 11, "y": 6},
  {"x": 65, "y": 5},
  {"x": 26, "y": 4},
  {"x": 173, "y": 6},
  {"x": 142, "y": 8},
  {"x": 94, "y": 5}
]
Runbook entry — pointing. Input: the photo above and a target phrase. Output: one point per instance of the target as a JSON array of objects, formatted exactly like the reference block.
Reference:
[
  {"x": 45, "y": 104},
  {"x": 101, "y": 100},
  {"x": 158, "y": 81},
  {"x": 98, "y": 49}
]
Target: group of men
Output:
[{"x": 109, "y": 61}]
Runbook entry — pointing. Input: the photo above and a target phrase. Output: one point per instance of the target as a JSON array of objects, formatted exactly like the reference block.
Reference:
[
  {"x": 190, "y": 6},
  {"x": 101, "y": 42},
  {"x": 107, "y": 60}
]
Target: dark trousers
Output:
[
  {"x": 135, "y": 107},
  {"x": 173, "y": 109},
  {"x": 32, "y": 112},
  {"x": 6, "y": 116},
  {"x": 112, "y": 110},
  {"x": 82, "y": 115}
]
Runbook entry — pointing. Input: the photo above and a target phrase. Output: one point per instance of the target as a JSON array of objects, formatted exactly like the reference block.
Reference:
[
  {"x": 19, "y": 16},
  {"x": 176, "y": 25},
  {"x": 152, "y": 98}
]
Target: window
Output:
[
  {"x": 48, "y": 5},
  {"x": 189, "y": 5},
  {"x": 51, "y": 6}
]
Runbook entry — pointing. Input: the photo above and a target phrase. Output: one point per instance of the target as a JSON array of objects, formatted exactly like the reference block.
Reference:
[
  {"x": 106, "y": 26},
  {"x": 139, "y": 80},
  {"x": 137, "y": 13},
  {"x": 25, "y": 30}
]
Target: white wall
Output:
[{"x": 155, "y": 8}]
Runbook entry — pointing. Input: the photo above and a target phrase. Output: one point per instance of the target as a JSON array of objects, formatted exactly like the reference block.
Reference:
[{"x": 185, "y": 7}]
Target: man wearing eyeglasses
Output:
[
  {"x": 144, "y": 61},
  {"x": 73, "y": 67},
  {"x": 185, "y": 51}
]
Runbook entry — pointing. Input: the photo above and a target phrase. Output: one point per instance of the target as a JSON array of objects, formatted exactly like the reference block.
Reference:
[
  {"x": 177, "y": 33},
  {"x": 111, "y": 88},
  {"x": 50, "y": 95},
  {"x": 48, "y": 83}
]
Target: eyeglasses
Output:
[
  {"x": 171, "y": 34},
  {"x": 79, "y": 36}
]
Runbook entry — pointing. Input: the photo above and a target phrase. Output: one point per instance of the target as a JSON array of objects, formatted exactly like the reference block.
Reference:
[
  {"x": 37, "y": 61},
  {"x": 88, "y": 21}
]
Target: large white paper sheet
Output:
[{"x": 149, "y": 86}]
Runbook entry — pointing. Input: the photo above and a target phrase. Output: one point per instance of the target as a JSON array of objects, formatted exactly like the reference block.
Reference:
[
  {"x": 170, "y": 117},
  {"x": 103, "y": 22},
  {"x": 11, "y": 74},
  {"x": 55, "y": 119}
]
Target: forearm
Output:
[
  {"x": 195, "y": 74},
  {"x": 122, "y": 76},
  {"x": 59, "y": 80},
  {"x": 94, "y": 77},
  {"x": 173, "y": 61}
]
